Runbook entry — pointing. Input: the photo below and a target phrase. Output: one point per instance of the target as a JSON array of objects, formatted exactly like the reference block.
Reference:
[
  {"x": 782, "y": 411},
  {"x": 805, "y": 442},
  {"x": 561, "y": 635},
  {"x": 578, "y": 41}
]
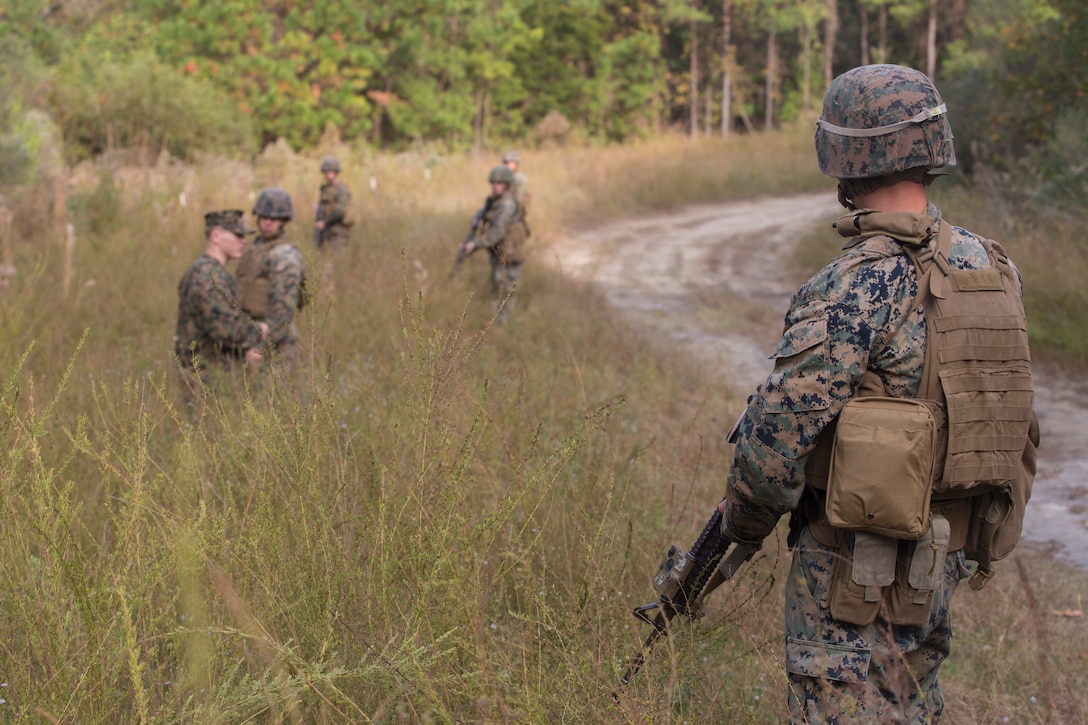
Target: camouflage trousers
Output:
[
  {"x": 335, "y": 237},
  {"x": 504, "y": 277},
  {"x": 844, "y": 673}
]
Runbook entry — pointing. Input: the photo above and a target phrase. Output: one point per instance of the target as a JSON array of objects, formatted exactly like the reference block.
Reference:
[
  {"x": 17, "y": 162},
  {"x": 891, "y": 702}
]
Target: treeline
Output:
[{"x": 192, "y": 75}]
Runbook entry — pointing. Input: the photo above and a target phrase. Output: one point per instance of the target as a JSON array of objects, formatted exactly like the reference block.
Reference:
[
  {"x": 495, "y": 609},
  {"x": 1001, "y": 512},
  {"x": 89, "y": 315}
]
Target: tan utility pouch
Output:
[
  {"x": 882, "y": 467},
  {"x": 879, "y": 572}
]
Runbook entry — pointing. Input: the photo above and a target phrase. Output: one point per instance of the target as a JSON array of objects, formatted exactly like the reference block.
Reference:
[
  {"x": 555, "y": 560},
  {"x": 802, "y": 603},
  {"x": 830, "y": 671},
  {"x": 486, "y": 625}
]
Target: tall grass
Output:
[{"x": 434, "y": 519}]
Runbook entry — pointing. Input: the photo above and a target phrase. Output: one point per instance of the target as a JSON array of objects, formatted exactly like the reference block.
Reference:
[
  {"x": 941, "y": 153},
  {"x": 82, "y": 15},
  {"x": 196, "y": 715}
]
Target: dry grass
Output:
[{"x": 441, "y": 520}]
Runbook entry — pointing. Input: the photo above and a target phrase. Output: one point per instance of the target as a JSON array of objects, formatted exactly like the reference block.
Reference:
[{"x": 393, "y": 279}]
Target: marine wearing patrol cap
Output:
[{"x": 233, "y": 220}]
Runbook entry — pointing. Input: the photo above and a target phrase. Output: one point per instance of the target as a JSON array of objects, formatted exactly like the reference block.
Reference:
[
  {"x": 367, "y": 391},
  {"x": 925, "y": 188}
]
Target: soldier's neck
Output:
[{"x": 903, "y": 196}]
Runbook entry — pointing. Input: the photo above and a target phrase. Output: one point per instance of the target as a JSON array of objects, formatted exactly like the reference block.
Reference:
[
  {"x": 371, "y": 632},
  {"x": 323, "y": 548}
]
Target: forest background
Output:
[{"x": 443, "y": 520}]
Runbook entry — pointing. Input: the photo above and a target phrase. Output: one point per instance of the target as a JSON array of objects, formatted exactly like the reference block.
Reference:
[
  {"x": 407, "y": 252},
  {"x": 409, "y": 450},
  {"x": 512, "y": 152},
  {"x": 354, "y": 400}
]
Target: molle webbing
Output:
[
  {"x": 253, "y": 290},
  {"x": 978, "y": 366}
]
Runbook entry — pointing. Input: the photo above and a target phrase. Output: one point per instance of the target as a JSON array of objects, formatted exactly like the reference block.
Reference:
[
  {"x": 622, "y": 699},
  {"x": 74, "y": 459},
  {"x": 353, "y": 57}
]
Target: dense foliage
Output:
[{"x": 241, "y": 73}]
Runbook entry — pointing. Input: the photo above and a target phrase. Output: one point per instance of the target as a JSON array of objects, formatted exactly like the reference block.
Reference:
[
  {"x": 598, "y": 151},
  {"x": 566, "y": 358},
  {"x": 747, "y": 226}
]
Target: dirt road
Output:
[{"x": 671, "y": 273}]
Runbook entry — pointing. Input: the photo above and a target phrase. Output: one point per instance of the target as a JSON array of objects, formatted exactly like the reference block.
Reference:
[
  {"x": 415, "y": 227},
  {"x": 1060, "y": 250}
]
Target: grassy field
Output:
[{"x": 436, "y": 519}]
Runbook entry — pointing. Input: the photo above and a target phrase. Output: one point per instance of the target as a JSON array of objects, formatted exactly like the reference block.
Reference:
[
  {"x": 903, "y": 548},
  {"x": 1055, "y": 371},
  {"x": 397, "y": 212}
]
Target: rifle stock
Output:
[{"x": 682, "y": 582}]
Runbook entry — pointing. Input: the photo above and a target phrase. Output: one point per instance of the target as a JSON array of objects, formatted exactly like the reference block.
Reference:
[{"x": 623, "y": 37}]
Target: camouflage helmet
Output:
[
  {"x": 501, "y": 174},
  {"x": 879, "y": 120},
  {"x": 511, "y": 156},
  {"x": 274, "y": 203},
  {"x": 330, "y": 164}
]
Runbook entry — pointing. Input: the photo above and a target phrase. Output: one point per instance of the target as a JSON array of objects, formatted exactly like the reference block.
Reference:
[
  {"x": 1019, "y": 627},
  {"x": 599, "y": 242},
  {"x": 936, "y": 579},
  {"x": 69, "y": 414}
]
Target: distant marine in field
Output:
[
  {"x": 271, "y": 275},
  {"x": 332, "y": 225},
  {"x": 214, "y": 334}
]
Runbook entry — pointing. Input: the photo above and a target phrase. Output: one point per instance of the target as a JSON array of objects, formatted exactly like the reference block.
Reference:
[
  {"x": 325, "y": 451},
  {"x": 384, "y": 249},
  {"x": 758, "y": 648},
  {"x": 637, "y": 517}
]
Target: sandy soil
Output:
[{"x": 713, "y": 280}]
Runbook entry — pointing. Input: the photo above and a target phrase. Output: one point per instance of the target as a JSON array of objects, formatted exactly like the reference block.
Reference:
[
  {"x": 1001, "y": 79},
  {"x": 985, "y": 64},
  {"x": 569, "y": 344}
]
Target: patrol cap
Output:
[
  {"x": 230, "y": 219},
  {"x": 511, "y": 156}
]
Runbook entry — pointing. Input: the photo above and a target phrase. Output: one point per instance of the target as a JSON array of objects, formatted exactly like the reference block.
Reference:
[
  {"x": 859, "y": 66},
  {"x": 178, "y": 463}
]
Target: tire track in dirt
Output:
[{"x": 715, "y": 281}]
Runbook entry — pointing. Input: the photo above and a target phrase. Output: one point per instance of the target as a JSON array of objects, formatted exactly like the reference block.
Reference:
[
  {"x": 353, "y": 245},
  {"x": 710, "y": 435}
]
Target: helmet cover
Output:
[
  {"x": 501, "y": 174},
  {"x": 878, "y": 120},
  {"x": 274, "y": 203}
]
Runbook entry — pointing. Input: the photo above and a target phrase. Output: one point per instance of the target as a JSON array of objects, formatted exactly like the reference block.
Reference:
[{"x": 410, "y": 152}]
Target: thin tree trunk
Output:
[
  {"x": 694, "y": 79},
  {"x": 931, "y": 42},
  {"x": 727, "y": 68},
  {"x": 883, "y": 33},
  {"x": 864, "y": 11},
  {"x": 772, "y": 52},
  {"x": 831, "y": 34},
  {"x": 806, "y": 66}
]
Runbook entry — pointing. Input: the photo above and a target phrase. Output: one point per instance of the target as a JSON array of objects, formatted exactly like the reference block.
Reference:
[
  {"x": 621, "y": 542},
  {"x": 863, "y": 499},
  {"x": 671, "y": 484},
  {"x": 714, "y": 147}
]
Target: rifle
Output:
[
  {"x": 473, "y": 227},
  {"x": 683, "y": 581},
  {"x": 319, "y": 215}
]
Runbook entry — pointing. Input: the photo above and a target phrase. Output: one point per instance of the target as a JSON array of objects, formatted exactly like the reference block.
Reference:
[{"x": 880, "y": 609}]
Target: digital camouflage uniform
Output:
[
  {"x": 334, "y": 210},
  {"x": 213, "y": 332},
  {"x": 277, "y": 263},
  {"x": 521, "y": 183},
  {"x": 271, "y": 275},
  {"x": 502, "y": 233},
  {"x": 857, "y": 314}
]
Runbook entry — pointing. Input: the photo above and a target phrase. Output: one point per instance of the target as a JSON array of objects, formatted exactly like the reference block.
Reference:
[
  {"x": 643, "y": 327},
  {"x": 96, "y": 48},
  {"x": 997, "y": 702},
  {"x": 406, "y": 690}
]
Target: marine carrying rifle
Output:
[
  {"x": 474, "y": 226},
  {"x": 683, "y": 581}
]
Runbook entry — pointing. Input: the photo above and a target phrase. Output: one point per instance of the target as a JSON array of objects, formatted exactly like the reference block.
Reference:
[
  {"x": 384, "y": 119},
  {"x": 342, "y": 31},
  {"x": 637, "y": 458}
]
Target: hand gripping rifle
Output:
[
  {"x": 473, "y": 227},
  {"x": 683, "y": 581}
]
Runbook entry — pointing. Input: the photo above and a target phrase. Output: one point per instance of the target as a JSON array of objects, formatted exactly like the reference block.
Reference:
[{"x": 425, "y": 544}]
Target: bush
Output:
[{"x": 104, "y": 104}]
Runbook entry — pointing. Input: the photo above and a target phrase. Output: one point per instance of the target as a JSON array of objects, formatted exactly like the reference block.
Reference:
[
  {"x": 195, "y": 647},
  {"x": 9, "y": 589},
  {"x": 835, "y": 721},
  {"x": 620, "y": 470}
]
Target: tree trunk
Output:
[
  {"x": 694, "y": 79},
  {"x": 772, "y": 52},
  {"x": 806, "y": 66},
  {"x": 931, "y": 42},
  {"x": 864, "y": 11},
  {"x": 831, "y": 34},
  {"x": 727, "y": 68},
  {"x": 883, "y": 46}
]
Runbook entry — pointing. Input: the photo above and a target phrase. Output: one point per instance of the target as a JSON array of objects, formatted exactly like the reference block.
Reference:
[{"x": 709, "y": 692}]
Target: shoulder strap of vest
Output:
[{"x": 926, "y": 261}]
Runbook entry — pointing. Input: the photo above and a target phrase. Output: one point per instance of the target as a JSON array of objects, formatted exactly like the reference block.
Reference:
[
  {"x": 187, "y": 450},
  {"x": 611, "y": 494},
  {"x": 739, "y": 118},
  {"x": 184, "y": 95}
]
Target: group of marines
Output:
[{"x": 247, "y": 319}]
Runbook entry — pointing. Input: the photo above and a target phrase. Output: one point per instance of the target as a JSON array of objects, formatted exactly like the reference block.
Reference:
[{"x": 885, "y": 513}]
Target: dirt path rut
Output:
[{"x": 672, "y": 272}]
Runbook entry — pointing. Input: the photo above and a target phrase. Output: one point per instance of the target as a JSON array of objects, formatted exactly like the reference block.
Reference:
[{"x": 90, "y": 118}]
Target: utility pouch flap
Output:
[
  {"x": 927, "y": 564},
  {"x": 874, "y": 559},
  {"x": 883, "y": 463}
]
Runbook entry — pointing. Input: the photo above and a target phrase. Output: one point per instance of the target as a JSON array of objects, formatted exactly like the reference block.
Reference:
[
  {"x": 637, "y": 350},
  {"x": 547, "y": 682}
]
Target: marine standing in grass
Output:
[
  {"x": 502, "y": 232},
  {"x": 915, "y": 308},
  {"x": 271, "y": 275},
  {"x": 333, "y": 225},
  {"x": 213, "y": 333}
]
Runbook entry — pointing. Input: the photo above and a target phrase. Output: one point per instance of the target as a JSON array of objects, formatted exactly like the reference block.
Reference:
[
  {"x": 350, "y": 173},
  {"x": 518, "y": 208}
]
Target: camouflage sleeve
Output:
[
  {"x": 500, "y": 220},
  {"x": 219, "y": 313},
  {"x": 285, "y": 271},
  {"x": 840, "y": 322},
  {"x": 335, "y": 203}
]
